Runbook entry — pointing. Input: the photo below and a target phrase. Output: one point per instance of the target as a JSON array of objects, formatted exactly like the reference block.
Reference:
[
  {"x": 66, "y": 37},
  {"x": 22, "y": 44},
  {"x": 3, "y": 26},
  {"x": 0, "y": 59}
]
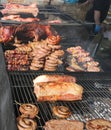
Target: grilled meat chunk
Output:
[
  {"x": 54, "y": 78},
  {"x": 63, "y": 125},
  {"x": 54, "y": 91},
  {"x": 98, "y": 124}
]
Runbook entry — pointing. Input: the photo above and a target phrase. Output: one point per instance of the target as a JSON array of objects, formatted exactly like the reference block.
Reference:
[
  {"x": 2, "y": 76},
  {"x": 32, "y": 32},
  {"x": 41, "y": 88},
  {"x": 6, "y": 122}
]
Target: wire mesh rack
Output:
[{"x": 95, "y": 103}]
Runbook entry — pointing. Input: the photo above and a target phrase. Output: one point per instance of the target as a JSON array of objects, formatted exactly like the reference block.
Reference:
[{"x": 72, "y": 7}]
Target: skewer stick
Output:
[
  {"x": 18, "y": 103},
  {"x": 37, "y": 117}
]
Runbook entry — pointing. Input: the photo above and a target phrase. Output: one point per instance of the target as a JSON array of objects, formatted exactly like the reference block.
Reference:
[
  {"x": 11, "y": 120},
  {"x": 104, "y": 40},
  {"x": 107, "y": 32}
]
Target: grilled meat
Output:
[
  {"x": 53, "y": 39},
  {"x": 6, "y": 33},
  {"x": 79, "y": 60},
  {"x": 61, "y": 112},
  {"x": 25, "y": 32},
  {"x": 24, "y": 123},
  {"x": 19, "y": 18},
  {"x": 54, "y": 78},
  {"x": 63, "y": 125},
  {"x": 13, "y": 8},
  {"x": 32, "y": 32},
  {"x": 28, "y": 110},
  {"x": 98, "y": 124},
  {"x": 54, "y": 91}
]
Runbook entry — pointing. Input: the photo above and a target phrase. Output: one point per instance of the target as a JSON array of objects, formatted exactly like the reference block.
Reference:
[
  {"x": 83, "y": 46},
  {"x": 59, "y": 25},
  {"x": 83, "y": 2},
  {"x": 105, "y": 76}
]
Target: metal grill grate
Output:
[{"x": 95, "y": 103}]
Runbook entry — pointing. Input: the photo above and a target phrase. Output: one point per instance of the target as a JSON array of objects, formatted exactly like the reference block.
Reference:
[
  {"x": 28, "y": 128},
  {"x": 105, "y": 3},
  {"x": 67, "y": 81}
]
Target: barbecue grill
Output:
[
  {"x": 97, "y": 86},
  {"x": 95, "y": 103}
]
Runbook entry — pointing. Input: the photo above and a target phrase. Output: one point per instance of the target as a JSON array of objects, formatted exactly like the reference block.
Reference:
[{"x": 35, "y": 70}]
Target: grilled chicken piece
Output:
[
  {"x": 54, "y": 91},
  {"x": 64, "y": 125},
  {"x": 54, "y": 78}
]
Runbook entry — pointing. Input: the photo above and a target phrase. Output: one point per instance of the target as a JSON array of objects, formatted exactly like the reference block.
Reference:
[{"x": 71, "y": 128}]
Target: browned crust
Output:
[
  {"x": 63, "y": 124},
  {"x": 98, "y": 124},
  {"x": 66, "y": 97}
]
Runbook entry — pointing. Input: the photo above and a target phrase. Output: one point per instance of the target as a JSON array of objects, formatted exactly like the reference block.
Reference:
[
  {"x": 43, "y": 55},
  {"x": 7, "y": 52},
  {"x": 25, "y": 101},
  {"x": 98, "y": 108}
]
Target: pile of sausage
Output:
[
  {"x": 80, "y": 60},
  {"x": 46, "y": 56}
]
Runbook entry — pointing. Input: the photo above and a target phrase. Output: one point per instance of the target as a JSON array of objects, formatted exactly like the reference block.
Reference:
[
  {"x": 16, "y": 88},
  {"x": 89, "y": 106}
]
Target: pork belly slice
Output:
[
  {"x": 63, "y": 125},
  {"x": 54, "y": 78},
  {"x": 58, "y": 91}
]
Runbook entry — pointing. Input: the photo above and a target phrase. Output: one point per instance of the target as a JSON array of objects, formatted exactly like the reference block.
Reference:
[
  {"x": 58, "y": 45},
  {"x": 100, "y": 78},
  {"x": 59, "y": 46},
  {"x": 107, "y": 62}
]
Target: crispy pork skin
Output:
[
  {"x": 54, "y": 91},
  {"x": 54, "y": 78},
  {"x": 63, "y": 125}
]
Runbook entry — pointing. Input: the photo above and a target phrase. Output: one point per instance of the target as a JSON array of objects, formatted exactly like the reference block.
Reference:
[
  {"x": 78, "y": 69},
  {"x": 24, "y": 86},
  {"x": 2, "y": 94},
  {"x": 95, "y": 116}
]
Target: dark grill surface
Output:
[{"x": 96, "y": 101}]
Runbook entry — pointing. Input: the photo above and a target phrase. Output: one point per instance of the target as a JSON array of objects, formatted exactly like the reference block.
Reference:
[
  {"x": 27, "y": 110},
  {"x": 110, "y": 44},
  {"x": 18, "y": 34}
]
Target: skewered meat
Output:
[
  {"x": 24, "y": 123},
  {"x": 61, "y": 112},
  {"x": 64, "y": 125},
  {"x": 54, "y": 91},
  {"x": 17, "y": 60},
  {"x": 98, "y": 124},
  {"x": 28, "y": 110},
  {"x": 12, "y": 8},
  {"x": 54, "y": 78}
]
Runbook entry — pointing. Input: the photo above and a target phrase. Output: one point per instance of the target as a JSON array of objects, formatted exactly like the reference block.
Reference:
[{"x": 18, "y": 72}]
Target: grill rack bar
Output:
[{"x": 95, "y": 103}]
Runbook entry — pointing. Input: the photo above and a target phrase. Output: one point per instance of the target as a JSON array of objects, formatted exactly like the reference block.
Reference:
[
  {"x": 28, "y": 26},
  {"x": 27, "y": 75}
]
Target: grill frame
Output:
[
  {"x": 87, "y": 108},
  {"x": 7, "y": 117}
]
